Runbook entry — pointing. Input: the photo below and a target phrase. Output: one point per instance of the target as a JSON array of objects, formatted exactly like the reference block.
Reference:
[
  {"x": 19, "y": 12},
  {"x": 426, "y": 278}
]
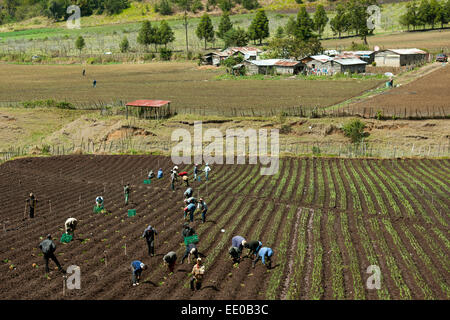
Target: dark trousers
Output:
[
  {"x": 172, "y": 185},
  {"x": 191, "y": 216},
  {"x": 135, "y": 277},
  {"x": 195, "y": 284},
  {"x": 31, "y": 211},
  {"x": 204, "y": 215},
  {"x": 151, "y": 247},
  {"x": 47, "y": 257}
]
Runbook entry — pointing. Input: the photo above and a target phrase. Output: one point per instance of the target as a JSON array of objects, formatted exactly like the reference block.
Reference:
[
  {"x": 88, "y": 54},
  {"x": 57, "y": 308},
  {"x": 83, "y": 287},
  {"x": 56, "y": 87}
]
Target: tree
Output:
[
  {"x": 186, "y": 5},
  {"x": 340, "y": 22},
  {"x": 79, "y": 43},
  {"x": 304, "y": 26},
  {"x": 424, "y": 13},
  {"x": 434, "y": 14},
  {"x": 197, "y": 5},
  {"x": 291, "y": 26},
  {"x": 259, "y": 28},
  {"x": 236, "y": 37},
  {"x": 115, "y": 6},
  {"x": 409, "y": 18},
  {"x": 358, "y": 17},
  {"x": 165, "y": 34},
  {"x": 205, "y": 29},
  {"x": 224, "y": 25},
  {"x": 165, "y": 8},
  {"x": 124, "y": 45},
  {"x": 443, "y": 16},
  {"x": 225, "y": 5},
  {"x": 290, "y": 47},
  {"x": 354, "y": 130},
  {"x": 320, "y": 19},
  {"x": 147, "y": 34},
  {"x": 250, "y": 4},
  {"x": 279, "y": 33}
]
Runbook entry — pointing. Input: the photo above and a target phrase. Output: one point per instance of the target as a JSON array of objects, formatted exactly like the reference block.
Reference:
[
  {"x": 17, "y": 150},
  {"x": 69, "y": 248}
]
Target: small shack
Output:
[
  {"x": 400, "y": 57},
  {"x": 273, "y": 66},
  {"x": 350, "y": 65},
  {"x": 149, "y": 109}
]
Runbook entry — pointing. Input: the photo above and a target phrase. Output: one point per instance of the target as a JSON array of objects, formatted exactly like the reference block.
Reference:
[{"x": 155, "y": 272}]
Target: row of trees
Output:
[
  {"x": 428, "y": 12},
  {"x": 148, "y": 34}
]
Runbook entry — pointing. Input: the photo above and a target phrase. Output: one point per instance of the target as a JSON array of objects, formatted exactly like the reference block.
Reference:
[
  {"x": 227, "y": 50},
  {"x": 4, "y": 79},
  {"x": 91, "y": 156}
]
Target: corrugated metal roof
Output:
[
  {"x": 359, "y": 53},
  {"x": 148, "y": 103},
  {"x": 287, "y": 63},
  {"x": 322, "y": 58},
  {"x": 350, "y": 61},
  {"x": 274, "y": 62},
  {"x": 407, "y": 51}
]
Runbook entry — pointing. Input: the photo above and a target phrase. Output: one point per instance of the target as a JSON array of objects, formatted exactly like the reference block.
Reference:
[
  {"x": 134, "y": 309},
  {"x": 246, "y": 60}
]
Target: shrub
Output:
[
  {"x": 285, "y": 129},
  {"x": 315, "y": 150},
  {"x": 374, "y": 64},
  {"x": 165, "y": 54},
  {"x": 149, "y": 56},
  {"x": 45, "y": 149},
  {"x": 354, "y": 130}
]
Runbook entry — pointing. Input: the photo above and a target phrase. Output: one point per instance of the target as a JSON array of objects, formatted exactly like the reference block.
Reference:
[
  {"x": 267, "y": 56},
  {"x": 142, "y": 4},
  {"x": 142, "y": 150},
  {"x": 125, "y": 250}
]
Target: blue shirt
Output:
[
  {"x": 136, "y": 265},
  {"x": 237, "y": 242},
  {"x": 188, "y": 192},
  {"x": 191, "y": 207},
  {"x": 160, "y": 174},
  {"x": 263, "y": 252}
]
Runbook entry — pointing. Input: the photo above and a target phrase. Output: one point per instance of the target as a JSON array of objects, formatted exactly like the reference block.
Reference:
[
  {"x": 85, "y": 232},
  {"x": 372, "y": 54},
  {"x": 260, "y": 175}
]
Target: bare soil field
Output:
[
  {"x": 426, "y": 96},
  {"x": 187, "y": 86},
  {"x": 326, "y": 219}
]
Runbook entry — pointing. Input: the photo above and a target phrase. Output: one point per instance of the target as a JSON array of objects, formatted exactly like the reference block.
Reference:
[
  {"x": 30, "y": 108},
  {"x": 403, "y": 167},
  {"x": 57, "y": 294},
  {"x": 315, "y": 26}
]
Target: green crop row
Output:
[
  {"x": 290, "y": 188},
  {"x": 442, "y": 237},
  {"x": 321, "y": 184},
  {"x": 316, "y": 291},
  {"x": 396, "y": 275},
  {"x": 336, "y": 260},
  {"x": 331, "y": 186},
  {"x": 441, "y": 256},
  {"x": 301, "y": 182},
  {"x": 341, "y": 188},
  {"x": 374, "y": 190},
  {"x": 353, "y": 190},
  {"x": 244, "y": 182},
  {"x": 310, "y": 195},
  {"x": 362, "y": 187},
  {"x": 275, "y": 180},
  {"x": 428, "y": 294}
]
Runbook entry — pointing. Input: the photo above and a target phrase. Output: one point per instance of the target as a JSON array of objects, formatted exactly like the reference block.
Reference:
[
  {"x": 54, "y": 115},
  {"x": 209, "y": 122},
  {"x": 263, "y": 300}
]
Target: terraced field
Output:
[{"x": 327, "y": 220}]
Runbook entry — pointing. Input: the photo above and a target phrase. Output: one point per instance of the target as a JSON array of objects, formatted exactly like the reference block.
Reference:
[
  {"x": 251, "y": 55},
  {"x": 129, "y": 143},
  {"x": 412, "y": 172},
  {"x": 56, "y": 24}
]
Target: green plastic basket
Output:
[
  {"x": 191, "y": 239},
  {"x": 147, "y": 181},
  {"x": 131, "y": 212},
  {"x": 66, "y": 238},
  {"x": 98, "y": 209}
]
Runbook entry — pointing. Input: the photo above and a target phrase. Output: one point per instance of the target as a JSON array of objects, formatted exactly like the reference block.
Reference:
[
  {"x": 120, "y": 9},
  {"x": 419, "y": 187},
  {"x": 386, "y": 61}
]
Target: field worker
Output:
[
  {"x": 31, "y": 203},
  {"x": 186, "y": 180},
  {"x": 190, "y": 209},
  {"x": 48, "y": 248},
  {"x": 253, "y": 247},
  {"x": 160, "y": 173},
  {"x": 137, "y": 267},
  {"x": 84, "y": 72},
  {"x": 151, "y": 175},
  {"x": 187, "y": 230},
  {"x": 198, "y": 271},
  {"x": 191, "y": 249},
  {"x": 264, "y": 254},
  {"x": 204, "y": 208},
  {"x": 175, "y": 169},
  {"x": 149, "y": 235},
  {"x": 238, "y": 242},
  {"x": 99, "y": 201},
  {"x": 71, "y": 225},
  {"x": 126, "y": 192},
  {"x": 173, "y": 178},
  {"x": 188, "y": 193},
  {"x": 170, "y": 259},
  {"x": 94, "y": 83},
  {"x": 195, "y": 171},
  {"x": 207, "y": 170},
  {"x": 235, "y": 254},
  {"x": 190, "y": 200}
]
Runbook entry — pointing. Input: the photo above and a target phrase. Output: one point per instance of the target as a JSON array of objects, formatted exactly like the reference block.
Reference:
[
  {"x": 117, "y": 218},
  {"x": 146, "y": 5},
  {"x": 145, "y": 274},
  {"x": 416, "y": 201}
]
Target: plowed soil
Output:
[{"x": 377, "y": 222}]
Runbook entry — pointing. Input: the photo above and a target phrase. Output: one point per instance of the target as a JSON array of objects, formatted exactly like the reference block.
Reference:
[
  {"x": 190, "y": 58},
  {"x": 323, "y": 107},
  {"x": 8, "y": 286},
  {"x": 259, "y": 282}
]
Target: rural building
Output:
[
  {"x": 367, "y": 56},
  {"x": 273, "y": 66},
  {"x": 400, "y": 57},
  {"x": 325, "y": 65},
  {"x": 319, "y": 64},
  {"x": 149, "y": 109},
  {"x": 216, "y": 57},
  {"x": 350, "y": 65}
]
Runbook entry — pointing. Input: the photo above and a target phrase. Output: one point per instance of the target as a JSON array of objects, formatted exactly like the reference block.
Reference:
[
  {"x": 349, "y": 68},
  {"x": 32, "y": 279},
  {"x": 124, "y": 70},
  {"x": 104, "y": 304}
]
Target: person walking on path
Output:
[
  {"x": 84, "y": 72},
  {"x": 70, "y": 226},
  {"x": 173, "y": 179},
  {"x": 137, "y": 267},
  {"x": 126, "y": 192},
  {"x": 170, "y": 259},
  {"x": 253, "y": 247},
  {"x": 195, "y": 171},
  {"x": 190, "y": 209},
  {"x": 238, "y": 242},
  {"x": 160, "y": 173},
  {"x": 198, "y": 271},
  {"x": 207, "y": 170},
  {"x": 94, "y": 83},
  {"x": 48, "y": 248},
  {"x": 264, "y": 254},
  {"x": 191, "y": 249},
  {"x": 31, "y": 203},
  {"x": 204, "y": 208},
  {"x": 149, "y": 235}
]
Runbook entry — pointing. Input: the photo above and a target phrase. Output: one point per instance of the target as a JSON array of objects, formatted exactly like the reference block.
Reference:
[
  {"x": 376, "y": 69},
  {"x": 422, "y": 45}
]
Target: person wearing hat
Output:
[
  {"x": 191, "y": 249},
  {"x": 207, "y": 170},
  {"x": 173, "y": 178},
  {"x": 187, "y": 230},
  {"x": 238, "y": 242},
  {"x": 253, "y": 247},
  {"x": 264, "y": 254},
  {"x": 70, "y": 226},
  {"x": 160, "y": 173},
  {"x": 151, "y": 175},
  {"x": 170, "y": 259},
  {"x": 32, "y": 201},
  {"x": 198, "y": 271},
  {"x": 234, "y": 253},
  {"x": 186, "y": 180},
  {"x": 48, "y": 248},
  {"x": 99, "y": 204},
  {"x": 137, "y": 267},
  {"x": 203, "y": 207},
  {"x": 195, "y": 171},
  {"x": 188, "y": 193},
  {"x": 149, "y": 235}
]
